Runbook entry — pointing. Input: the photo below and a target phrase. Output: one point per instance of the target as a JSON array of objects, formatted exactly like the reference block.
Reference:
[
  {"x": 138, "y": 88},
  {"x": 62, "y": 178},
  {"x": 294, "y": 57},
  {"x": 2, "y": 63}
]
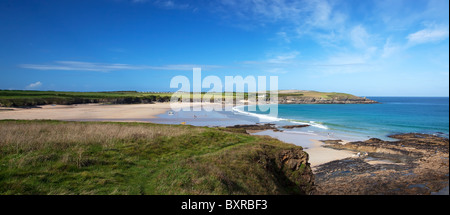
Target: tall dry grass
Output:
[{"x": 37, "y": 135}]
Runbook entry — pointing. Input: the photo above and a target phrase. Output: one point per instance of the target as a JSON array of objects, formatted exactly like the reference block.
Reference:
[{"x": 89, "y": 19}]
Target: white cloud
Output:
[
  {"x": 280, "y": 59},
  {"x": 104, "y": 67},
  {"x": 320, "y": 20},
  {"x": 428, "y": 35},
  {"x": 359, "y": 37},
  {"x": 276, "y": 70},
  {"x": 318, "y": 13},
  {"x": 390, "y": 48},
  {"x": 275, "y": 63},
  {"x": 169, "y": 4},
  {"x": 284, "y": 58},
  {"x": 284, "y": 37},
  {"x": 337, "y": 63},
  {"x": 401, "y": 15},
  {"x": 34, "y": 85},
  {"x": 321, "y": 14}
]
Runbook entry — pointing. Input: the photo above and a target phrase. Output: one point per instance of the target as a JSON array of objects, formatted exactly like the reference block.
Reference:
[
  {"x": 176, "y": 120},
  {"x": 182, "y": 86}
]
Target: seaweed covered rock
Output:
[{"x": 290, "y": 167}]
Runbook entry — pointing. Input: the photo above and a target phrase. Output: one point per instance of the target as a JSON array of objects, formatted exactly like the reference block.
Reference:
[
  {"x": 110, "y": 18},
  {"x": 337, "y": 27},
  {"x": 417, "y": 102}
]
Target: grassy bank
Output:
[
  {"x": 54, "y": 157},
  {"x": 19, "y": 98},
  {"x": 315, "y": 94}
]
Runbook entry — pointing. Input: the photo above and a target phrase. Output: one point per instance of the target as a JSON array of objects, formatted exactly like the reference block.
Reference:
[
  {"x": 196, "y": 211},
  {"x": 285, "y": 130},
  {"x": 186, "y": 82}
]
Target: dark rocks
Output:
[
  {"x": 414, "y": 164},
  {"x": 313, "y": 100},
  {"x": 289, "y": 166},
  {"x": 294, "y": 164},
  {"x": 332, "y": 142},
  {"x": 294, "y": 126},
  {"x": 255, "y": 127},
  {"x": 262, "y": 127},
  {"x": 294, "y": 158}
]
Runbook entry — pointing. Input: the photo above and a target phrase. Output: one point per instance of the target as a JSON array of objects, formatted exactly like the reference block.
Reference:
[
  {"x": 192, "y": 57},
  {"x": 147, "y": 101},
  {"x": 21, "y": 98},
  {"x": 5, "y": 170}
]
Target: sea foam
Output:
[{"x": 267, "y": 118}]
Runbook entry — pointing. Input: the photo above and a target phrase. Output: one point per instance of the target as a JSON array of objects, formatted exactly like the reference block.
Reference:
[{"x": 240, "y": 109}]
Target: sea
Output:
[
  {"x": 392, "y": 115},
  {"x": 352, "y": 122}
]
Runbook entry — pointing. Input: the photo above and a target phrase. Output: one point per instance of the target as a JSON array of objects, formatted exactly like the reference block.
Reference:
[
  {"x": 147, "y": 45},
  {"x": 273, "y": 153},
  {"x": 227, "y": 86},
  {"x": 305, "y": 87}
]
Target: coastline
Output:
[
  {"x": 157, "y": 113},
  {"x": 338, "y": 162}
]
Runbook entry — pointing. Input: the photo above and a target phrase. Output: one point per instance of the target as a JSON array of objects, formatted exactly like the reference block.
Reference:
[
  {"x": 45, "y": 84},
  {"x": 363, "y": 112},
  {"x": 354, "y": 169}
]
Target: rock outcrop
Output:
[
  {"x": 321, "y": 100},
  {"x": 413, "y": 164},
  {"x": 294, "y": 126},
  {"x": 253, "y": 128},
  {"x": 290, "y": 167}
]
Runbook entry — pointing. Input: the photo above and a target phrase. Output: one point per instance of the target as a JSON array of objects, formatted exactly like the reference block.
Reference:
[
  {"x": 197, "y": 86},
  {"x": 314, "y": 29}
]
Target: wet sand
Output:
[{"x": 312, "y": 145}]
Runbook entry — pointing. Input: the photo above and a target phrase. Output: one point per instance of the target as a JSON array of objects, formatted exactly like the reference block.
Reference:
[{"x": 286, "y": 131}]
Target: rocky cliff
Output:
[
  {"x": 290, "y": 167},
  {"x": 413, "y": 164},
  {"x": 323, "y": 100},
  {"x": 315, "y": 97}
]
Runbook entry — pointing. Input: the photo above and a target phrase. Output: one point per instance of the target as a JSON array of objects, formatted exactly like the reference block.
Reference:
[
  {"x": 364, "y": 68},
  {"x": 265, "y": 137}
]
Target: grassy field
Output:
[
  {"x": 54, "y": 157},
  {"x": 18, "y": 98},
  {"x": 315, "y": 94}
]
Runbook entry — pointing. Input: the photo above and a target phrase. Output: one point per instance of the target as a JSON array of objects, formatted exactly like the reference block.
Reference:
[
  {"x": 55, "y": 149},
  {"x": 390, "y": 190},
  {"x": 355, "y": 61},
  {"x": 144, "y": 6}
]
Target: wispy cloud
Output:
[
  {"x": 284, "y": 37},
  {"x": 275, "y": 63},
  {"x": 318, "y": 13},
  {"x": 359, "y": 37},
  {"x": 284, "y": 58},
  {"x": 316, "y": 19},
  {"x": 34, "y": 85},
  {"x": 105, "y": 67},
  {"x": 280, "y": 59},
  {"x": 291, "y": 62},
  {"x": 401, "y": 15},
  {"x": 169, "y": 4},
  {"x": 390, "y": 48},
  {"x": 139, "y": 1},
  {"x": 262, "y": 10},
  {"x": 431, "y": 34},
  {"x": 166, "y": 4}
]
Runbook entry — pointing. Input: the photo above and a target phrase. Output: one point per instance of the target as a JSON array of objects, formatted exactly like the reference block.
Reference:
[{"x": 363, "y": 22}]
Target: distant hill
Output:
[
  {"x": 23, "y": 98},
  {"x": 314, "y": 97}
]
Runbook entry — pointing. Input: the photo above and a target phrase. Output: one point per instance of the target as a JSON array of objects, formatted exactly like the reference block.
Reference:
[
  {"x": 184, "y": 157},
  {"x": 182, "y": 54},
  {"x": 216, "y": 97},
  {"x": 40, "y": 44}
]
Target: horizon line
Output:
[{"x": 106, "y": 91}]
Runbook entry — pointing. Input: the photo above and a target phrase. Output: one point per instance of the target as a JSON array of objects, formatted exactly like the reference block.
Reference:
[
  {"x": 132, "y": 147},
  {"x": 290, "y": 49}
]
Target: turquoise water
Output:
[{"x": 360, "y": 121}]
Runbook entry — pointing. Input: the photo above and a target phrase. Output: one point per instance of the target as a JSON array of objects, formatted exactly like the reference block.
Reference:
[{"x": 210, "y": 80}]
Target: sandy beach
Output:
[
  {"x": 121, "y": 112},
  {"x": 87, "y": 112}
]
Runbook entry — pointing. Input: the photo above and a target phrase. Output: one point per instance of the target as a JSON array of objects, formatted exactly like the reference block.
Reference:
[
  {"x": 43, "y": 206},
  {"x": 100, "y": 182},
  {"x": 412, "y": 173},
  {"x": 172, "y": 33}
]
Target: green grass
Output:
[
  {"x": 18, "y": 98},
  {"x": 54, "y": 157},
  {"x": 315, "y": 94},
  {"x": 50, "y": 94}
]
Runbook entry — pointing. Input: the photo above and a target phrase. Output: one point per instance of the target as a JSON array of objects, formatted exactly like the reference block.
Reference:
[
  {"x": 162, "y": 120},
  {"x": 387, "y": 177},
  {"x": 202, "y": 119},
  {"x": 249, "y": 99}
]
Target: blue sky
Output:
[{"x": 367, "y": 48}]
